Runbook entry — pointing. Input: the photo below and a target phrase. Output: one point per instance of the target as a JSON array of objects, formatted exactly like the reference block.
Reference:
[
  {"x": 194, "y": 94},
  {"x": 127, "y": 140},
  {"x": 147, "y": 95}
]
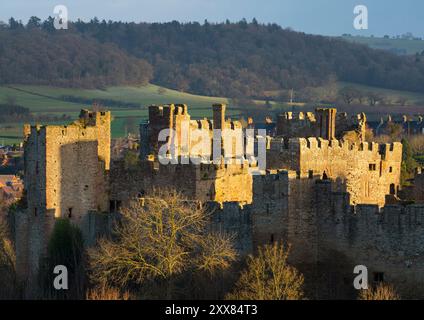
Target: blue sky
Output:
[{"x": 328, "y": 17}]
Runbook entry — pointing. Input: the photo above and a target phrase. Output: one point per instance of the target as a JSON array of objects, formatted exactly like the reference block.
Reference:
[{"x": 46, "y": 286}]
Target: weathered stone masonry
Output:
[
  {"x": 66, "y": 176},
  {"x": 324, "y": 197}
]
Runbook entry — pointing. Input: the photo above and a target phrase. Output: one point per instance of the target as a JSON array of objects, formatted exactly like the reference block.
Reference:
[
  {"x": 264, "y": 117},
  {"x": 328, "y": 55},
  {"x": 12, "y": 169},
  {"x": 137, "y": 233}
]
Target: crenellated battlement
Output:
[
  {"x": 390, "y": 217},
  {"x": 230, "y": 206},
  {"x": 93, "y": 118},
  {"x": 203, "y": 124},
  {"x": 394, "y": 216},
  {"x": 369, "y": 171},
  {"x": 387, "y": 151},
  {"x": 162, "y": 111},
  {"x": 181, "y": 109},
  {"x": 298, "y": 116}
]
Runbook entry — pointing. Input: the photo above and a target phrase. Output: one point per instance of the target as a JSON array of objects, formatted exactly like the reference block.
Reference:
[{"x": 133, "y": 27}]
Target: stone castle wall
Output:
[
  {"x": 325, "y": 123},
  {"x": 388, "y": 241},
  {"x": 186, "y": 134},
  {"x": 203, "y": 182},
  {"x": 66, "y": 176},
  {"x": 329, "y": 237},
  {"x": 312, "y": 196},
  {"x": 65, "y": 166},
  {"x": 367, "y": 171}
]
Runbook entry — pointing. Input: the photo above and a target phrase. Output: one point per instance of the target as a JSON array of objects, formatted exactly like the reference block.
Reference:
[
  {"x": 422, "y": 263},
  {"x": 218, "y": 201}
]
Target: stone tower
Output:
[
  {"x": 101, "y": 122},
  {"x": 327, "y": 123},
  {"x": 218, "y": 124},
  {"x": 219, "y": 116},
  {"x": 160, "y": 118},
  {"x": 66, "y": 176}
]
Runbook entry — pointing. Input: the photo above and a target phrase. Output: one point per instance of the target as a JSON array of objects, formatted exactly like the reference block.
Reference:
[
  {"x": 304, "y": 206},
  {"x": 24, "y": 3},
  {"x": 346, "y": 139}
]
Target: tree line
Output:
[
  {"x": 38, "y": 54},
  {"x": 242, "y": 59}
]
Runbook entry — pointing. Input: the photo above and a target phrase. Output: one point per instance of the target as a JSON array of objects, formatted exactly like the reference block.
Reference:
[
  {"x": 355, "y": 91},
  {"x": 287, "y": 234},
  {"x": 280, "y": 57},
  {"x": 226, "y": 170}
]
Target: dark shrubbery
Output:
[{"x": 65, "y": 248}]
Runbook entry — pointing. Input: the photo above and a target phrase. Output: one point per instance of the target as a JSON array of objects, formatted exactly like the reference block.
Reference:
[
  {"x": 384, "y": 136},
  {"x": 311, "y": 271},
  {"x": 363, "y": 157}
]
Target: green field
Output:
[
  {"x": 398, "y": 46},
  {"x": 47, "y": 101},
  {"x": 390, "y": 96}
]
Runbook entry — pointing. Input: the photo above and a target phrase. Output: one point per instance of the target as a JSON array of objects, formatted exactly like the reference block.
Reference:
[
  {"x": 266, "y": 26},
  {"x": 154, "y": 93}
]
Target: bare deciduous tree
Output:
[
  {"x": 159, "y": 240},
  {"x": 106, "y": 293},
  {"x": 348, "y": 94},
  {"x": 7, "y": 264},
  {"x": 269, "y": 277},
  {"x": 381, "y": 292},
  {"x": 65, "y": 247},
  {"x": 417, "y": 143},
  {"x": 374, "y": 98}
]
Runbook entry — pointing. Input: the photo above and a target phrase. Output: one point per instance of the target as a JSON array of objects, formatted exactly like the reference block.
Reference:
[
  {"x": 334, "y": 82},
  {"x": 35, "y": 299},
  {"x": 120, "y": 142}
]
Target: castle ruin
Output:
[{"x": 333, "y": 198}]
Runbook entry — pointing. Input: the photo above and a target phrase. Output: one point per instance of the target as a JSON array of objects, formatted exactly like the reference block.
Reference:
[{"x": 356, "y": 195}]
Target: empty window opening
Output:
[
  {"x": 70, "y": 213},
  {"x": 378, "y": 277},
  {"x": 392, "y": 189},
  {"x": 373, "y": 167},
  {"x": 272, "y": 238},
  {"x": 112, "y": 206}
]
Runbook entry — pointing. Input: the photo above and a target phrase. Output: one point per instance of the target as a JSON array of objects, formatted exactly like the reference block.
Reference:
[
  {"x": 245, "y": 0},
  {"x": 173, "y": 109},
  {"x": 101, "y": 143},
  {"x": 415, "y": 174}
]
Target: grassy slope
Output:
[
  {"x": 390, "y": 95},
  {"x": 199, "y": 106},
  {"x": 400, "y": 46}
]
